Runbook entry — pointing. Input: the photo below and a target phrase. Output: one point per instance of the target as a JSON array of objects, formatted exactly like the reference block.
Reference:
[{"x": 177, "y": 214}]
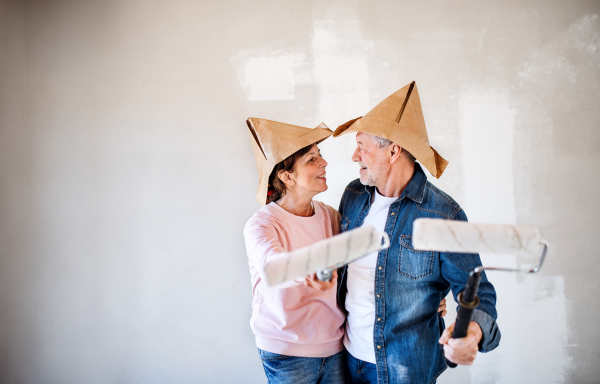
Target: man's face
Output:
[{"x": 374, "y": 164}]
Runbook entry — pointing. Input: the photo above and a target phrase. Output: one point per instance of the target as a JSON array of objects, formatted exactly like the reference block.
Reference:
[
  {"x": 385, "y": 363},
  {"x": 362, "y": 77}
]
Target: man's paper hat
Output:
[
  {"x": 399, "y": 118},
  {"x": 273, "y": 142}
]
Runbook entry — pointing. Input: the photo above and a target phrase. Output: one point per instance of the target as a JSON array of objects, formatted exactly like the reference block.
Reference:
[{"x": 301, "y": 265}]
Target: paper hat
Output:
[
  {"x": 273, "y": 142},
  {"x": 399, "y": 118}
]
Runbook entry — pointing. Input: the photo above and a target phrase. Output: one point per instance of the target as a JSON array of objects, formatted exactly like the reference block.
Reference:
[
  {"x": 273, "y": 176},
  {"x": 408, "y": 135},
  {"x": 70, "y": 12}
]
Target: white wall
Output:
[{"x": 126, "y": 173}]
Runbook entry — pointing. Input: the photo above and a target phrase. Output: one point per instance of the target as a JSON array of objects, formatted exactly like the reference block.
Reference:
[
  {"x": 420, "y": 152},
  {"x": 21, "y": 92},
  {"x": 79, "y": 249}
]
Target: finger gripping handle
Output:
[
  {"x": 468, "y": 301},
  {"x": 461, "y": 327}
]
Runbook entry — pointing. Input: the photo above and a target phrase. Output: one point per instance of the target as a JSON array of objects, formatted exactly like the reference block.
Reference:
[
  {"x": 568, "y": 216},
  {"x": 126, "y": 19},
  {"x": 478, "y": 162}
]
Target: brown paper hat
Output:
[
  {"x": 273, "y": 142},
  {"x": 399, "y": 118}
]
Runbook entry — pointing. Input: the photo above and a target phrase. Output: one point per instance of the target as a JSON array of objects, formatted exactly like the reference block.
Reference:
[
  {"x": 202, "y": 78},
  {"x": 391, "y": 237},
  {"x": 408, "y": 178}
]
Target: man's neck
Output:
[{"x": 397, "y": 180}]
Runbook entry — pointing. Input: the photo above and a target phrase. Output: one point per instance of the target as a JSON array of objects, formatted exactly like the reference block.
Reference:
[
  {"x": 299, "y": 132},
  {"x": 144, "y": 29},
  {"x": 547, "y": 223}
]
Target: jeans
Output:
[
  {"x": 303, "y": 370},
  {"x": 360, "y": 372}
]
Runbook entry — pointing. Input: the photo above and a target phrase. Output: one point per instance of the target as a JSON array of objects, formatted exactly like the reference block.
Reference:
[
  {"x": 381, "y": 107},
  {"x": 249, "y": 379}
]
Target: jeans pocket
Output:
[
  {"x": 412, "y": 263},
  {"x": 271, "y": 356}
]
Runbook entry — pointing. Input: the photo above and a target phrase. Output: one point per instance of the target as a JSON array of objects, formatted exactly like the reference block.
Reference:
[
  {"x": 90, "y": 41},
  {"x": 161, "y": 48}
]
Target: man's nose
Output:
[{"x": 355, "y": 156}]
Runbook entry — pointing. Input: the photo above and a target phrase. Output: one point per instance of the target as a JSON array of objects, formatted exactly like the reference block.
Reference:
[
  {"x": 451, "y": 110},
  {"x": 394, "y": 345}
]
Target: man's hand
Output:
[
  {"x": 442, "y": 307},
  {"x": 313, "y": 282},
  {"x": 461, "y": 351}
]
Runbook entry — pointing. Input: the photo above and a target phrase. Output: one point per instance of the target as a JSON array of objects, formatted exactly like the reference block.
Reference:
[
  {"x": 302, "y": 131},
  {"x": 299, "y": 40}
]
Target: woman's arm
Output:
[{"x": 263, "y": 245}]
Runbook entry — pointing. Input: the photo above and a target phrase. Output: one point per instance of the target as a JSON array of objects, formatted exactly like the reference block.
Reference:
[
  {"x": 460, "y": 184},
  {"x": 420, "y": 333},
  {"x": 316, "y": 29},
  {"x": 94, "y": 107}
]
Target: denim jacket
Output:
[{"x": 410, "y": 284}]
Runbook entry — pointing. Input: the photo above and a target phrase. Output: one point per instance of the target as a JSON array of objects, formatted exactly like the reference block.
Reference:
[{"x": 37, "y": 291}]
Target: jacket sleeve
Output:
[
  {"x": 455, "y": 268},
  {"x": 263, "y": 245}
]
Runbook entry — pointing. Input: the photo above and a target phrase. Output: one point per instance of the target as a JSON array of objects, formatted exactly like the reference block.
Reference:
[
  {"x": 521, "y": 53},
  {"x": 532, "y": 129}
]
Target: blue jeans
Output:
[
  {"x": 359, "y": 371},
  {"x": 303, "y": 370}
]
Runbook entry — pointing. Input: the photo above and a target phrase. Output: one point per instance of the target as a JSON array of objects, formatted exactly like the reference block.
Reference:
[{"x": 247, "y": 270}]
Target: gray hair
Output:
[{"x": 382, "y": 142}]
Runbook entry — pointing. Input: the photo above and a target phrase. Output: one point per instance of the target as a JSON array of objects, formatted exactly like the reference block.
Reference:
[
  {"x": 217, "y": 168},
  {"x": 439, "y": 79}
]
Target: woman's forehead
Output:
[{"x": 313, "y": 150}]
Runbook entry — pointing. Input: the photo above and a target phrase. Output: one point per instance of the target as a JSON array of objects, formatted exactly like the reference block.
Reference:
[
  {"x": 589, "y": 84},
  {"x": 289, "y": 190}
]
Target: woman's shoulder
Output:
[
  {"x": 266, "y": 215},
  {"x": 329, "y": 210}
]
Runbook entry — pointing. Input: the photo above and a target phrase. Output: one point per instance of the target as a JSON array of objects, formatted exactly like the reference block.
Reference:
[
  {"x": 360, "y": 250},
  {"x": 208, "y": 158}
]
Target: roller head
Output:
[
  {"x": 463, "y": 237},
  {"x": 333, "y": 252}
]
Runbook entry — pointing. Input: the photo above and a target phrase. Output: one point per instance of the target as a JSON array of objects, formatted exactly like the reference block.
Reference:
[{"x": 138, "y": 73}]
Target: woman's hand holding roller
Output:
[{"x": 313, "y": 282}]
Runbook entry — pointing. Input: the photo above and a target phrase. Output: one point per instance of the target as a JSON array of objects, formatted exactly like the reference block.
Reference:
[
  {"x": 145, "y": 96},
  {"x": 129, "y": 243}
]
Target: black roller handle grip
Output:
[{"x": 467, "y": 301}]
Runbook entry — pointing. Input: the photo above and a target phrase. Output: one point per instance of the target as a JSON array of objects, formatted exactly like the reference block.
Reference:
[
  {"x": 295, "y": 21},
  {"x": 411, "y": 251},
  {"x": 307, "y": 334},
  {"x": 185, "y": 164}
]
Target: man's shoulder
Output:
[{"x": 438, "y": 201}]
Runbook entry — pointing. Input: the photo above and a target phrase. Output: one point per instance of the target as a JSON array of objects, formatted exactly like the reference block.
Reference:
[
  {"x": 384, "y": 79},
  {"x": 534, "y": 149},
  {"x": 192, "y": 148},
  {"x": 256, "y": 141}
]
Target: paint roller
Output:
[
  {"x": 460, "y": 236},
  {"x": 324, "y": 256}
]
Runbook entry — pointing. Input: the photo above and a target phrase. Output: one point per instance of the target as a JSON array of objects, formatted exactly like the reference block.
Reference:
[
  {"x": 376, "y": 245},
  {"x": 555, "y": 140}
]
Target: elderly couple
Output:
[{"x": 380, "y": 318}]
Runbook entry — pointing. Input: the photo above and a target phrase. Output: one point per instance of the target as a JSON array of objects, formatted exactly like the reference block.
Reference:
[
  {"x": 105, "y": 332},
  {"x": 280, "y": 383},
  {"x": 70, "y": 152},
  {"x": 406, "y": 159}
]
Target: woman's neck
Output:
[{"x": 297, "y": 205}]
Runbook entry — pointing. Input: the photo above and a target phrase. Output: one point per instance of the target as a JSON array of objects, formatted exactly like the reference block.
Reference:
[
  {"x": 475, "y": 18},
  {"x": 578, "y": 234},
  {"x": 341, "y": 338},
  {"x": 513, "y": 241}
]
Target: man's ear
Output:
[
  {"x": 286, "y": 178},
  {"x": 394, "y": 151}
]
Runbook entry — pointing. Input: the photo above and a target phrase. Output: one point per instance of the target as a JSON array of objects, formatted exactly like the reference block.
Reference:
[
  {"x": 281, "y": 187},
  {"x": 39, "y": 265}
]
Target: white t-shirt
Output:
[{"x": 360, "y": 299}]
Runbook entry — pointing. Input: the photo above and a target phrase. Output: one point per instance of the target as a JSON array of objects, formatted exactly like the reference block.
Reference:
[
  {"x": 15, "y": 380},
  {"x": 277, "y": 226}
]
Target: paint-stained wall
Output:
[{"x": 126, "y": 174}]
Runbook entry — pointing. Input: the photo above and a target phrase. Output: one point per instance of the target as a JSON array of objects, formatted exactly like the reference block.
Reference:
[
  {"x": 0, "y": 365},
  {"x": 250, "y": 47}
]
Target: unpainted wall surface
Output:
[{"x": 126, "y": 173}]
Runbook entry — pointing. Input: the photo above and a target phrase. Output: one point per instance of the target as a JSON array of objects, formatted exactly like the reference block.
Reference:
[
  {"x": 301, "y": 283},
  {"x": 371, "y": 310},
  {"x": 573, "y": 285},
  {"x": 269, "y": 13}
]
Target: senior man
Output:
[{"x": 393, "y": 331}]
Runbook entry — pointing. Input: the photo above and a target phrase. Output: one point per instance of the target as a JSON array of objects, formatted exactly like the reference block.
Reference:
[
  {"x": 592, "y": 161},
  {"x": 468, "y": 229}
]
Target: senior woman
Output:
[{"x": 298, "y": 327}]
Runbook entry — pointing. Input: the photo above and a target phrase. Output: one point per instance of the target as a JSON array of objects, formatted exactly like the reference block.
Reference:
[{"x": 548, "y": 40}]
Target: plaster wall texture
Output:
[{"x": 126, "y": 174}]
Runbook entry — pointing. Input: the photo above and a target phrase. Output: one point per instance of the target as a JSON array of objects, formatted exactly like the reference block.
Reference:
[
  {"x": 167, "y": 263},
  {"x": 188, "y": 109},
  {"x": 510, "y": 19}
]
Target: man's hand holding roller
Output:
[{"x": 461, "y": 351}]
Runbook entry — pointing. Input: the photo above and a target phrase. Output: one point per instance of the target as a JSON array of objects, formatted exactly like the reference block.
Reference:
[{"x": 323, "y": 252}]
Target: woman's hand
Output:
[
  {"x": 442, "y": 307},
  {"x": 313, "y": 282}
]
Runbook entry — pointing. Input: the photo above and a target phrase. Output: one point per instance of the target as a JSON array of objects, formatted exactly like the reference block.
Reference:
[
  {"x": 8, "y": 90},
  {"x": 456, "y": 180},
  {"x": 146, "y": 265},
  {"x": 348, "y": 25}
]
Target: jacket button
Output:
[
  {"x": 392, "y": 213},
  {"x": 378, "y": 295},
  {"x": 379, "y": 319},
  {"x": 379, "y": 347},
  {"x": 380, "y": 268}
]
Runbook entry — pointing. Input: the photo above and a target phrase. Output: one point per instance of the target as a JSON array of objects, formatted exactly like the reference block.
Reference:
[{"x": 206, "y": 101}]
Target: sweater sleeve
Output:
[{"x": 263, "y": 245}]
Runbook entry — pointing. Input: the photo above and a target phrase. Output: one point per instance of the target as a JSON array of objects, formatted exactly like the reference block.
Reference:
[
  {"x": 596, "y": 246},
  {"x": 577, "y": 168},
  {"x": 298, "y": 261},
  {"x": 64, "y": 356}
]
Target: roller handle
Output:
[{"x": 467, "y": 301}]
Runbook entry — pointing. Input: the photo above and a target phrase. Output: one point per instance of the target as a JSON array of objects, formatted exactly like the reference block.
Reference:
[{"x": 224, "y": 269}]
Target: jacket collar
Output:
[{"x": 415, "y": 190}]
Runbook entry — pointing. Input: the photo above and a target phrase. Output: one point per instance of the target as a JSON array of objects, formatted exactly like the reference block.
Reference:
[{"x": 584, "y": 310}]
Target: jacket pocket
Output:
[{"x": 414, "y": 264}]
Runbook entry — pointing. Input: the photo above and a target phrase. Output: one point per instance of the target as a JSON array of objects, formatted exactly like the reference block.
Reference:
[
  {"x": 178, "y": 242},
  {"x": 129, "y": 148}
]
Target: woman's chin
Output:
[{"x": 320, "y": 190}]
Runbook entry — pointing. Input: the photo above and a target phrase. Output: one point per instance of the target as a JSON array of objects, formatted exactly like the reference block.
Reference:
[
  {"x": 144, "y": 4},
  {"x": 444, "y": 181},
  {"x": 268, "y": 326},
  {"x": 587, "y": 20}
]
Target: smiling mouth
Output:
[{"x": 321, "y": 177}]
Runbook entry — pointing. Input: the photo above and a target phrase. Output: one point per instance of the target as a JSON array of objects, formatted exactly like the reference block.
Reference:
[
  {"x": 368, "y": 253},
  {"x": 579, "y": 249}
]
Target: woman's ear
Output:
[{"x": 286, "y": 178}]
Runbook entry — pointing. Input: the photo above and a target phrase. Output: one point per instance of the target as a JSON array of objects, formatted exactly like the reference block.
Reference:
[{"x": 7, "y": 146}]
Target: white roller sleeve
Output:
[
  {"x": 460, "y": 236},
  {"x": 332, "y": 252}
]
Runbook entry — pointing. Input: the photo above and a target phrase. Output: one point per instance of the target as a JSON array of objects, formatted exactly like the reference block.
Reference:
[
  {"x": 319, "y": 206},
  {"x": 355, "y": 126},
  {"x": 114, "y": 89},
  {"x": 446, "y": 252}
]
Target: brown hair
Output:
[{"x": 277, "y": 188}]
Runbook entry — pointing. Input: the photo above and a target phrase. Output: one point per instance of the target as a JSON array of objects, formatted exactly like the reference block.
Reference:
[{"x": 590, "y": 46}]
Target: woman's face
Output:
[{"x": 309, "y": 173}]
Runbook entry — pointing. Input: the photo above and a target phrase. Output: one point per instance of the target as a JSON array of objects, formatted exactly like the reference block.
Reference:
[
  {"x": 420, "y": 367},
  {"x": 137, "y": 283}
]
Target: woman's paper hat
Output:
[
  {"x": 273, "y": 142},
  {"x": 399, "y": 118}
]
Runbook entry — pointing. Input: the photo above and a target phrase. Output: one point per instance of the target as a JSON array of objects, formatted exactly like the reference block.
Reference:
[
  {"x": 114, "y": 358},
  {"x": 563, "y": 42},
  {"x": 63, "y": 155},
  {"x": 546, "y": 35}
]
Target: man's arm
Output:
[{"x": 455, "y": 268}]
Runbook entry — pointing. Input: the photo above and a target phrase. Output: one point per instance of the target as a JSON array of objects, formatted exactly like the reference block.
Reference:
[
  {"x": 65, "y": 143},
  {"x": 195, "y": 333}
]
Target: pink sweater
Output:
[{"x": 294, "y": 321}]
